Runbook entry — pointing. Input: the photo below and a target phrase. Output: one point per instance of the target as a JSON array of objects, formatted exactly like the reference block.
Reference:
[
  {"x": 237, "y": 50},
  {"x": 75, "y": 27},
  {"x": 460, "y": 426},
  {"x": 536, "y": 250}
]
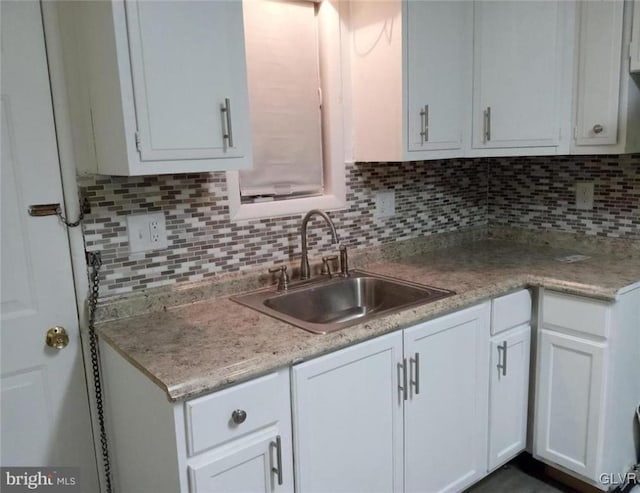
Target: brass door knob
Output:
[{"x": 57, "y": 338}]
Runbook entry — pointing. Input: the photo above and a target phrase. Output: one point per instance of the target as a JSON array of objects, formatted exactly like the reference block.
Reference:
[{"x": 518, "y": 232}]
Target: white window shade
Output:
[{"x": 284, "y": 95}]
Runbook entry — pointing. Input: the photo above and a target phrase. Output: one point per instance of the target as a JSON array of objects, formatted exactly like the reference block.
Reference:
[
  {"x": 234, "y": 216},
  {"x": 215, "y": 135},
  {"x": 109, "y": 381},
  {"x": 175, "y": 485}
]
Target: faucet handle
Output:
[
  {"x": 283, "y": 278},
  {"x": 326, "y": 268},
  {"x": 344, "y": 261}
]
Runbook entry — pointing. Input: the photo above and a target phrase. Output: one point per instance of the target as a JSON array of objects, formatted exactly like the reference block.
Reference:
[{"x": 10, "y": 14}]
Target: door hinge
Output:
[
  {"x": 575, "y": 133},
  {"x": 138, "y": 143}
]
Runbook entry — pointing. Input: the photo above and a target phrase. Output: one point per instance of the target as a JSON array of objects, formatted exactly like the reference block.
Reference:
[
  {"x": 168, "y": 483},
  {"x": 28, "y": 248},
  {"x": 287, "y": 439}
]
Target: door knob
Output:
[
  {"x": 598, "y": 129},
  {"x": 57, "y": 338}
]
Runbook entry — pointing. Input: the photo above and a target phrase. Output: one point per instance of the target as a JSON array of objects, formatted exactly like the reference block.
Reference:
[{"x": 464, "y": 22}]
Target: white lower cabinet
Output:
[
  {"x": 508, "y": 394},
  {"x": 347, "y": 419},
  {"x": 568, "y": 417},
  {"x": 234, "y": 440},
  {"x": 587, "y": 385},
  {"x": 354, "y": 408},
  {"x": 446, "y": 409},
  {"x": 253, "y": 466}
]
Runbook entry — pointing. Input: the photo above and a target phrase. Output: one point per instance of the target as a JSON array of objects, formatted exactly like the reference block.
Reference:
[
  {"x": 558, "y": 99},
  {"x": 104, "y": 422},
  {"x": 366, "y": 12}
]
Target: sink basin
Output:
[{"x": 333, "y": 304}]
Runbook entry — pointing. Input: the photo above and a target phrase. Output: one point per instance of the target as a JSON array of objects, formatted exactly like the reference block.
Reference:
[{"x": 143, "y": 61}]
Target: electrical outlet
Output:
[
  {"x": 584, "y": 195},
  {"x": 385, "y": 204},
  {"x": 147, "y": 232}
]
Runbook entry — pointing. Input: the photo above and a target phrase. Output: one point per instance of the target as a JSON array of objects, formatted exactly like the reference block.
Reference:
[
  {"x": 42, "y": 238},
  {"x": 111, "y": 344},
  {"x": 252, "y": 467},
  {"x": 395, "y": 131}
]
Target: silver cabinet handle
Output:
[
  {"x": 402, "y": 377},
  {"x": 278, "y": 470},
  {"x": 226, "y": 111},
  {"x": 503, "y": 366},
  {"x": 597, "y": 129},
  {"x": 487, "y": 124},
  {"x": 415, "y": 372},
  {"x": 239, "y": 416},
  {"x": 424, "y": 124}
]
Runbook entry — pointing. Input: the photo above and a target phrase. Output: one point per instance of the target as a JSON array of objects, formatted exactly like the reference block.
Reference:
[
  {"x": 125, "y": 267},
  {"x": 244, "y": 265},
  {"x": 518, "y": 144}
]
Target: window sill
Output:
[{"x": 291, "y": 207}]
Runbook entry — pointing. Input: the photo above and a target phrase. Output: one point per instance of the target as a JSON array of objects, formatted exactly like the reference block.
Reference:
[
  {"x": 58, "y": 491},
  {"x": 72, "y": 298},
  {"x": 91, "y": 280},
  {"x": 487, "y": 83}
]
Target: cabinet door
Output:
[
  {"x": 187, "y": 59},
  {"x": 248, "y": 466},
  {"x": 508, "y": 395},
  {"x": 517, "y": 73},
  {"x": 635, "y": 41},
  {"x": 569, "y": 401},
  {"x": 347, "y": 413},
  {"x": 446, "y": 414},
  {"x": 600, "y": 45},
  {"x": 438, "y": 75}
]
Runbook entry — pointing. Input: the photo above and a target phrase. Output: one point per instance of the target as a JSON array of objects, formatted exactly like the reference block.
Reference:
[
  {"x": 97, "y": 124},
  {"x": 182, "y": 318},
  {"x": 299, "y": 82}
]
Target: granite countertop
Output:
[{"x": 202, "y": 347}]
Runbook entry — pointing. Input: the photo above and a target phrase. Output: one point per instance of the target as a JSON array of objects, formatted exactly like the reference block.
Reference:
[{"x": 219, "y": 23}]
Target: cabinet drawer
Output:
[
  {"x": 574, "y": 313},
  {"x": 510, "y": 311},
  {"x": 210, "y": 418}
]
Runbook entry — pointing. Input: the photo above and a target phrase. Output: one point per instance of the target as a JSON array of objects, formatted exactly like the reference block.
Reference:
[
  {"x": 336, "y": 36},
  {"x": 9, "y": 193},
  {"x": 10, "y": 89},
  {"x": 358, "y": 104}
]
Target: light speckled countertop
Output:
[{"x": 202, "y": 347}]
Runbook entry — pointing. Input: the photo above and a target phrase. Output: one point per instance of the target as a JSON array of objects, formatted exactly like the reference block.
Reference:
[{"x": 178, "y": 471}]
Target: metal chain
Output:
[
  {"x": 84, "y": 207},
  {"x": 95, "y": 261}
]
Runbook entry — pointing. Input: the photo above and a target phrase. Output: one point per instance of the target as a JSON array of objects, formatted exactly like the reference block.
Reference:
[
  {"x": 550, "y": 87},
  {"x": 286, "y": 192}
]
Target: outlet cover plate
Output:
[
  {"x": 147, "y": 232},
  {"x": 385, "y": 204},
  {"x": 584, "y": 195}
]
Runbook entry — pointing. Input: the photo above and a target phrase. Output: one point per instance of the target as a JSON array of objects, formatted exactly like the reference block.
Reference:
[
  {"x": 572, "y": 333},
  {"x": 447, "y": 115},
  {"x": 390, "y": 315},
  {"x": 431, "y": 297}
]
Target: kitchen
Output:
[{"x": 489, "y": 149}]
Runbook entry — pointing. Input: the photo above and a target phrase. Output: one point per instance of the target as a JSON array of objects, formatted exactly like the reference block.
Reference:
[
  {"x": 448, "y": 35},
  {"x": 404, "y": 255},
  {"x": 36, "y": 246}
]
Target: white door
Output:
[
  {"x": 187, "y": 59},
  {"x": 508, "y": 395},
  {"x": 347, "y": 415},
  {"x": 446, "y": 415},
  {"x": 45, "y": 412},
  {"x": 598, "y": 80},
  {"x": 517, "y": 70},
  {"x": 569, "y": 401},
  {"x": 439, "y": 47},
  {"x": 248, "y": 466}
]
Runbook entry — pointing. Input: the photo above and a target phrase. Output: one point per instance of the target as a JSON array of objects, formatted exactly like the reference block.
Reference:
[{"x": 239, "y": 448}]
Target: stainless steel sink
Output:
[{"x": 333, "y": 304}]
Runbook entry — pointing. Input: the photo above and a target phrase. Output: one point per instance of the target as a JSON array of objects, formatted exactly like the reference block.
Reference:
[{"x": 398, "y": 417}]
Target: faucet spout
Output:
[{"x": 305, "y": 270}]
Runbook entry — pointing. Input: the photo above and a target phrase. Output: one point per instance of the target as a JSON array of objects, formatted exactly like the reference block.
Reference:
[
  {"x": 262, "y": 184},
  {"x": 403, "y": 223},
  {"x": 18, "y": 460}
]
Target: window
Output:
[{"x": 294, "y": 75}]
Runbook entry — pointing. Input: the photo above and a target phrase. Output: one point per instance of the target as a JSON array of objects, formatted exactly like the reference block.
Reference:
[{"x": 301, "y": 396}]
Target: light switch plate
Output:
[
  {"x": 385, "y": 204},
  {"x": 584, "y": 195},
  {"x": 147, "y": 232}
]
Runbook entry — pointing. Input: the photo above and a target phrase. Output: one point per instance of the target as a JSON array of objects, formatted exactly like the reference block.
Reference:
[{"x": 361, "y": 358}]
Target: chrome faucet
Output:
[{"x": 305, "y": 271}]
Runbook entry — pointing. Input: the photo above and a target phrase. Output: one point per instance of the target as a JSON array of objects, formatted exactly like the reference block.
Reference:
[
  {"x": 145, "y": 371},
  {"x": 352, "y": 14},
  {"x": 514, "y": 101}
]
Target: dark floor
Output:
[{"x": 518, "y": 477}]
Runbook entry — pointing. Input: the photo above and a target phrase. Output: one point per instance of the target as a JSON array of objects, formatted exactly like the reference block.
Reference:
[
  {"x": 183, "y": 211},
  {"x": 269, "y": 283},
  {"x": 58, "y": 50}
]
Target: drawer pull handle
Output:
[
  {"x": 238, "y": 416},
  {"x": 278, "y": 470}
]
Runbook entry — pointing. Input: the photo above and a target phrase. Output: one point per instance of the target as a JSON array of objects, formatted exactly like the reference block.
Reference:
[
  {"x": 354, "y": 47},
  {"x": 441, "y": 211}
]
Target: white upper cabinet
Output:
[
  {"x": 410, "y": 78},
  {"x": 598, "y": 79},
  {"x": 167, "y": 85},
  {"x": 459, "y": 78},
  {"x": 635, "y": 40},
  {"x": 518, "y": 74},
  {"x": 438, "y": 63},
  {"x": 607, "y": 97}
]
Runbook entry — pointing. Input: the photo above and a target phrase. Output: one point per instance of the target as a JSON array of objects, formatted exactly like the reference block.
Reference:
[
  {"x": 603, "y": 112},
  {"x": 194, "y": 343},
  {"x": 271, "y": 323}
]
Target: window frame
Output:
[{"x": 331, "y": 49}]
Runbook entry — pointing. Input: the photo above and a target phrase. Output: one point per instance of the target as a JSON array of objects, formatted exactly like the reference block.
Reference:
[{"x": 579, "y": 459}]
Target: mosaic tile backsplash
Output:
[
  {"x": 539, "y": 193},
  {"x": 433, "y": 197}
]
